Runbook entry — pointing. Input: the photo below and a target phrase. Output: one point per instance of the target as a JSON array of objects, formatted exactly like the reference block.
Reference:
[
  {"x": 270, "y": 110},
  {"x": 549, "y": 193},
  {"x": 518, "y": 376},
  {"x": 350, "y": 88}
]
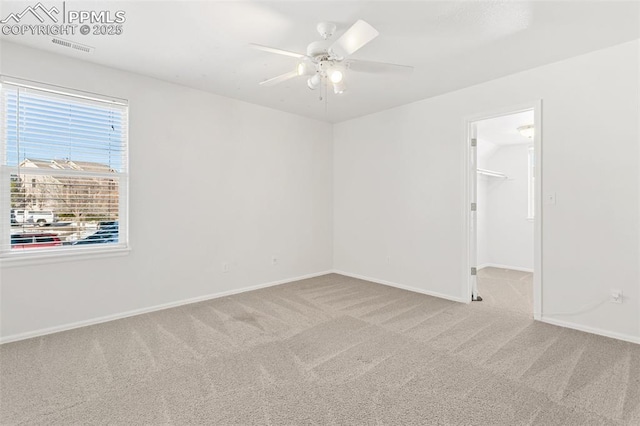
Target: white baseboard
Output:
[
  {"x": 93, "y": 321},
  {"x": 403, "y": 287},
  {"x": 514, "y": 268},
  {"x": 591, "y": 330}
]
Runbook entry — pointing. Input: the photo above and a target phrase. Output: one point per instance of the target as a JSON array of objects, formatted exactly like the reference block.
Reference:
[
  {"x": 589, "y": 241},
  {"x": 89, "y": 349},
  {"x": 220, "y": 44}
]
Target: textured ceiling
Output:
[{"x": 451, "y": 45}]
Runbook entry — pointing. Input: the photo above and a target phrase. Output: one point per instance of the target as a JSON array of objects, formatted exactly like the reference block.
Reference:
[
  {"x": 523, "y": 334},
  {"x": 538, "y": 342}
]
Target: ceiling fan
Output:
[{"x": 326, "y": 61}]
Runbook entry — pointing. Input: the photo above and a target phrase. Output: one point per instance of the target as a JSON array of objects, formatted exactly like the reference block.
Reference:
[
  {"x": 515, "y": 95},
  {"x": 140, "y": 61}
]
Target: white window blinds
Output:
[{"x": 64, "y": 161}]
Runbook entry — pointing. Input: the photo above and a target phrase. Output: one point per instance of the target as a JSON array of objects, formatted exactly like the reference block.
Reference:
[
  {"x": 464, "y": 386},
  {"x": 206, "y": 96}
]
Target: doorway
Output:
[{"x": 504, "y": 214}]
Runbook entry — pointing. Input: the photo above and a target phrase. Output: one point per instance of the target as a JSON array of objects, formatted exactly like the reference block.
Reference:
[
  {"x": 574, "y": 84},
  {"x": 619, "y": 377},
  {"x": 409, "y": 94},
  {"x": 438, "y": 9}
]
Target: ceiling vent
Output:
[{"x": 72, "y": 45}]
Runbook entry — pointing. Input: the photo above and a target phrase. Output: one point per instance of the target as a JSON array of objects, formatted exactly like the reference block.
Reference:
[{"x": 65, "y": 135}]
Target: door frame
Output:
[{"x": 470, "y": 231}]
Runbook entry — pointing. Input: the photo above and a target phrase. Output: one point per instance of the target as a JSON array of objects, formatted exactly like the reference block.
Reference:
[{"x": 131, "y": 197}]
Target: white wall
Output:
[
  {"x": 259, "y": 180},
  {"x": 484, "y": 149},
  {"x": 505, "y": 235},
  {"x": 266, "y": 178},
  {"x": 399, "y": 179}
]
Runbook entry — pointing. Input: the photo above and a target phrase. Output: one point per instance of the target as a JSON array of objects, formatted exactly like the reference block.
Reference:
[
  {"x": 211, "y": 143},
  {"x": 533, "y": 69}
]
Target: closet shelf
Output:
[{"x": 491, "y": 173}]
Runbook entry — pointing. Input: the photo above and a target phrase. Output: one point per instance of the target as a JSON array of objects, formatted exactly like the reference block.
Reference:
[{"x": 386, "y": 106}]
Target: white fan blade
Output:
[
  {"x": 279, "y": 79},
  {"x": 377, "y": 67},
  {"x": 354, "y": 38},
  {"x": 277, "y": 51}
]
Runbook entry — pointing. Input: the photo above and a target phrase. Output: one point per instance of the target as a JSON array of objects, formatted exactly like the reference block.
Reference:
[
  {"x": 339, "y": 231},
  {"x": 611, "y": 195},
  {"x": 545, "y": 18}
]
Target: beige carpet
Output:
[
  {"x": 328, "y": 350},
  {"x": 506, "y": 289}
]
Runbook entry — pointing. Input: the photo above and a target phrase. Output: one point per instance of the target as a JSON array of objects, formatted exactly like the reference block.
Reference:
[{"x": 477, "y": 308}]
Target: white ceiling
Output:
[
  {"x": 503, "y": 130},
  {"x": 451, "y": 44}
]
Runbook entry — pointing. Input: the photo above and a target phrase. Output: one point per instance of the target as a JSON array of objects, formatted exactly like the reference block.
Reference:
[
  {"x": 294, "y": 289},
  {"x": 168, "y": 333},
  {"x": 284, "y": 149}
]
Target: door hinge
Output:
[
  {"x": 474, "y": 142},
  {"x": 474, "y": 207},
  {"x": 474, "y": 271}
]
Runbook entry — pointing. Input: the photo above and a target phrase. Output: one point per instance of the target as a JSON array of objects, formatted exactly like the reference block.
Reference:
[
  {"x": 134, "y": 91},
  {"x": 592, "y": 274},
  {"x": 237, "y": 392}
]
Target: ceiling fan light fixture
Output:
[
  {"x": 526, "y": 131},
  {"x": 335, "y": 75},
  {"x": 313, "y": 82},
  {"x": 304, "y": 68},
  {"x": 339, "y": 88}
]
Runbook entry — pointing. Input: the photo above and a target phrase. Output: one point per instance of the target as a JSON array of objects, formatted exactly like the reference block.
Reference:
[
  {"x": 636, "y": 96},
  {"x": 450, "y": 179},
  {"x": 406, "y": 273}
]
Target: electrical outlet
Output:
[
  {"x": 274, "y": 261},
  {"x": 616, "y": 296},
  {"x": 225, "y": 267}
]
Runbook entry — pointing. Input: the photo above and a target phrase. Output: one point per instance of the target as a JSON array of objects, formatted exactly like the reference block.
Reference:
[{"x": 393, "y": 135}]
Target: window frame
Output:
[{"x": 65, "y": 253}]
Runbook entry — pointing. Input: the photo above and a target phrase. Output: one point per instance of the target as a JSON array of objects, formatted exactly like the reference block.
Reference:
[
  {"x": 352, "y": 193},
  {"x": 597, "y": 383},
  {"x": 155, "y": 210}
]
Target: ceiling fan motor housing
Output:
[
  {"x": 324, "y": 66},
  {"x": 318, "y": 48}
]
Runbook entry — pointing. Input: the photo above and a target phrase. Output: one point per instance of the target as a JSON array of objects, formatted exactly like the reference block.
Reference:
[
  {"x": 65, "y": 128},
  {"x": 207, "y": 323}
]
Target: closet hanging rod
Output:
[{"x": 492, "y": 173}]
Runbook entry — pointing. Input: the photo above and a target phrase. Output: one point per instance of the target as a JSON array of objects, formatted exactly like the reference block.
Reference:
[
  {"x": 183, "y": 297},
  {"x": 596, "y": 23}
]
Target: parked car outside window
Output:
[
  {"x": 107, "y": 233},
  {"x": 28, "y": 241},
  {"x": 39, "y": 217}
]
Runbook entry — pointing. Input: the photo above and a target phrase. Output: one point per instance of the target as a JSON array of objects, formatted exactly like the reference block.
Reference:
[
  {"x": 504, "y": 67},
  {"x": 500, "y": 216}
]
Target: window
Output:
[
  {"x": 531, "y": 161},
  {"x": 63, "y": 156}
]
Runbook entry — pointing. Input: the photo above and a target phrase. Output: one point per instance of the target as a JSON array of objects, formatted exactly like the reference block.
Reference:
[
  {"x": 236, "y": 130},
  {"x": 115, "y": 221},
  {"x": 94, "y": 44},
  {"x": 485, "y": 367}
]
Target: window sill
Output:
[{"x": 41, "y": 258}]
